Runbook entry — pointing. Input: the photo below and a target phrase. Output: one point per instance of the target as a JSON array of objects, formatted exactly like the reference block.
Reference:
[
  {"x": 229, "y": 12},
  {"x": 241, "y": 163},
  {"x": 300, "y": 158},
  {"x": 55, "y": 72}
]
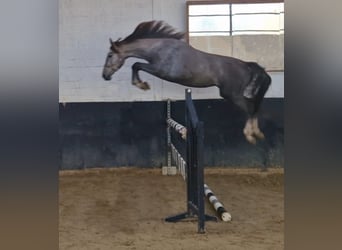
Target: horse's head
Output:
[{"x": 114, "y": 61}]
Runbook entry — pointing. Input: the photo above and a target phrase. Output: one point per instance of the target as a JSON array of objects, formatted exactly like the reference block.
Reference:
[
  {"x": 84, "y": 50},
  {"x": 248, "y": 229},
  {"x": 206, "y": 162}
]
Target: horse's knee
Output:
[{"x": 136, "y": 66}]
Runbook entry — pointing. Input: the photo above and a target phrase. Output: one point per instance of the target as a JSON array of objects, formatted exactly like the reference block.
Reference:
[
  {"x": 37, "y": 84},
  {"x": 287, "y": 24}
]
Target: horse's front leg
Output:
[{"x": 136, "y": 78}]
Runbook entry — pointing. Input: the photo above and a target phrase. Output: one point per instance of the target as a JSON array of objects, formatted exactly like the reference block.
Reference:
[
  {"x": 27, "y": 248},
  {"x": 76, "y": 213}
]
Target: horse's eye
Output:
[{"x": 110, "y": 55}]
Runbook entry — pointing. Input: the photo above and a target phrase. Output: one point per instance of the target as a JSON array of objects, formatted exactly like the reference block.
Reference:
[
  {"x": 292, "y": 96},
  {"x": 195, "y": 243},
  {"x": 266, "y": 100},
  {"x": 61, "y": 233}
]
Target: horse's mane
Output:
[{"x": 153, "y": 29}]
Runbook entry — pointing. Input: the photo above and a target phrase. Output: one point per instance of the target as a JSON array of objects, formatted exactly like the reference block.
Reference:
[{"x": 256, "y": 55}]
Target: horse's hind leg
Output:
[
  {"x": 248, "y": 131},
  {"x": 254, "y": 104},
  {"x": 248, "y": 107},
  {"x": 257, "y": 101},
  {"x": 136, "y": 78},
  {"x": 251, "y": 107},
  {"x": 256, "y": 131},
  {"x": 251, "y": 130},
  {"x": 255, "y": 127}
]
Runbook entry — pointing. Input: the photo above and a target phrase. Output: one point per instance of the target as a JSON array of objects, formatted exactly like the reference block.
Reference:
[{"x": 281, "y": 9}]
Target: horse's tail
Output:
[{"x": 258, "y": 85}]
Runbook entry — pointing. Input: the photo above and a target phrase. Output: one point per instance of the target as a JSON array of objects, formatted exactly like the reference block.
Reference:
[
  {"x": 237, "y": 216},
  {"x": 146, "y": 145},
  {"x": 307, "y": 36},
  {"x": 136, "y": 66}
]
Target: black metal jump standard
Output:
[{"x": 191, "y": 168}]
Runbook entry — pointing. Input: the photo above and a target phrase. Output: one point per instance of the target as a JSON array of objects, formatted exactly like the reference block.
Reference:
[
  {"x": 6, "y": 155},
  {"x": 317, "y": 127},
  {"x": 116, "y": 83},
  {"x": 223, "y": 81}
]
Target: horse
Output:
[{"x": 169, "y": 57}]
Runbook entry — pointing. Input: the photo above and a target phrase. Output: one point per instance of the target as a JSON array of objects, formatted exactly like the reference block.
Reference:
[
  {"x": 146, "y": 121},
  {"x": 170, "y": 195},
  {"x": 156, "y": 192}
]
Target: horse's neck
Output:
[{"x": 140, "y": 49}]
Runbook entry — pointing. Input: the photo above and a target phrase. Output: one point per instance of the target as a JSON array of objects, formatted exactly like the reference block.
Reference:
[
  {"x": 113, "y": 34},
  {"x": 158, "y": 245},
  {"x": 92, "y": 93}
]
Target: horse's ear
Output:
[
  {"x": 114, "y": 47},
  {"x": 111, "y": 41}
]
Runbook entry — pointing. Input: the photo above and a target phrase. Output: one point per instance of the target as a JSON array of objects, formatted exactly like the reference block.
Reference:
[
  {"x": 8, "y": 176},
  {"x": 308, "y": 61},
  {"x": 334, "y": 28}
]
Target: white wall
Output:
[{"x": 84, "y": 30}]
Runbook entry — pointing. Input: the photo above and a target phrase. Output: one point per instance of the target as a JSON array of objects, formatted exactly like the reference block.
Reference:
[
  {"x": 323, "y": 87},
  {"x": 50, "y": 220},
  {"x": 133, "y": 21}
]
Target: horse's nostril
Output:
[{"x": 107, "y": 78}]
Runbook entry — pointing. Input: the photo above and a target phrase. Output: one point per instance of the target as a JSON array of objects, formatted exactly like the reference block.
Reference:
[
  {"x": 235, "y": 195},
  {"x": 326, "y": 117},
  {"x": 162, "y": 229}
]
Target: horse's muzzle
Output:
[{"x": 107, "y": 78}]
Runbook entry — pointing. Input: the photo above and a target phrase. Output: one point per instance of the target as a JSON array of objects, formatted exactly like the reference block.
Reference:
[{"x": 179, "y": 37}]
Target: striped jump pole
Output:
[
  {"x": 178, "y": 127},
  {"x": 180, "y": 162},
  {"x": 221, "y": 211}
]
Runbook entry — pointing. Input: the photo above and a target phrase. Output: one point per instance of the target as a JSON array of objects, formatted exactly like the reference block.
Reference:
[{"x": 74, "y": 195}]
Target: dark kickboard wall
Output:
[{"x": 134, "y": 134}]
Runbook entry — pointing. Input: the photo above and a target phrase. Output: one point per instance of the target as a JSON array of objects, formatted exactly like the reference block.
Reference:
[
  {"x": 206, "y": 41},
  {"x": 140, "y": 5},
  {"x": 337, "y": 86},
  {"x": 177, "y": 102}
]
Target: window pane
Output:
[
  {"x": 262, "y": 32},
  {"x": 256, "y": 22},
  {"x": 209, "y": 34},
  {"x": 209, "y": 23},
  {"x": 211, "y": 9},
  {"x": 258, "y": 8}
]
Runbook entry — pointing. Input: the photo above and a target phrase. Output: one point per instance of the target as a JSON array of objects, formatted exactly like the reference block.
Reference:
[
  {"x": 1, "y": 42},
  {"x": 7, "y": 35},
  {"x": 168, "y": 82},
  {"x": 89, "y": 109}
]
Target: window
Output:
[
  {"x": 214, "y": 19},
  {"x": 206, "y": 20},
  {"x": 251, "y": 30}
]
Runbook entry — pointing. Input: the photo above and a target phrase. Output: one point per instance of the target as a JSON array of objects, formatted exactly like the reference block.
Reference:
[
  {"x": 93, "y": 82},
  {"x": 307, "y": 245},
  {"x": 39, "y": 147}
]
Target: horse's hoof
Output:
[
  {"x": 251, "y": 139},
  {"x": 142, "y": 85},
  {"x": 145, "y": 86},
  {"x": 183, "y": 133},
  {"x": 260, "y": 135}
]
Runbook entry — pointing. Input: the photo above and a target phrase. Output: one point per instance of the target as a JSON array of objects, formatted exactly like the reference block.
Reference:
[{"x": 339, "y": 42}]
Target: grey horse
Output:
[{"x": 170, "y": 58}]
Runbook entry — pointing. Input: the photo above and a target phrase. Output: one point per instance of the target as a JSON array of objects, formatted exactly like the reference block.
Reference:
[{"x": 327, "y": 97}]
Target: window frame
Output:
[{"x": 188, "y": 3}]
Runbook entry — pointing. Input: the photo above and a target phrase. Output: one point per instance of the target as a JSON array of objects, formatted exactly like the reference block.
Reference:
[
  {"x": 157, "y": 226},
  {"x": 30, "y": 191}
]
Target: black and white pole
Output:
[
  {"x": 169, "y": 169},
  {"x": 180, "y": 162},
  {"x": 177, "y": 126},
  {"x": 222, "y": 212}
]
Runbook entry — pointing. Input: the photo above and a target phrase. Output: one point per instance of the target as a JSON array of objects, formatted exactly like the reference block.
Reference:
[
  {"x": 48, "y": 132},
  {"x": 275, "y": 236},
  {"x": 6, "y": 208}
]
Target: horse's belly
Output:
[
  {"x": 198, "y": 84},
  {"x": 189, "y": 81},
  {"x": 186, "y": 74}
]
